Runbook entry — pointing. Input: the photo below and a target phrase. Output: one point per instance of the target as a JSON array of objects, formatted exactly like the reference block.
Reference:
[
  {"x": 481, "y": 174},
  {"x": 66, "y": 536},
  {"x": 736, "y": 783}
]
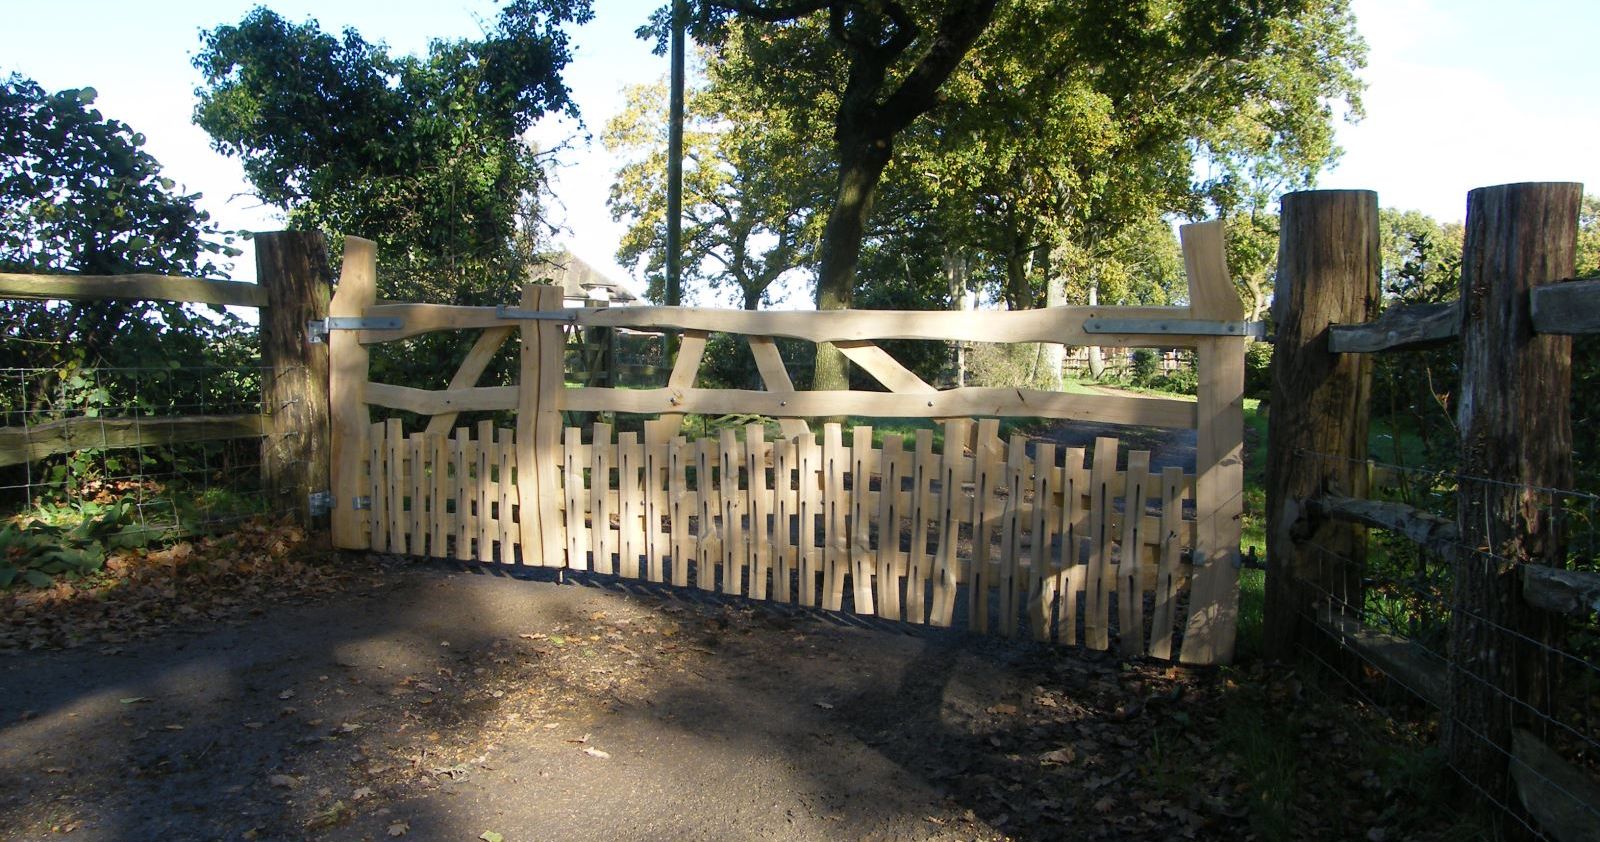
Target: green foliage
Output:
[
  {"x": 423, "y": 154},
  {"x": 65, "y": 540},
  {"x": 79, "y": 195},
  {"x": 749, "y": 192}
]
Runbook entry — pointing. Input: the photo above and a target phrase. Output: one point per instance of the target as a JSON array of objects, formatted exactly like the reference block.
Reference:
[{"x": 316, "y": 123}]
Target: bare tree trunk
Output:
[
  {"x": 956, "y": 272},
  {"x": 1055, "y": 295}
]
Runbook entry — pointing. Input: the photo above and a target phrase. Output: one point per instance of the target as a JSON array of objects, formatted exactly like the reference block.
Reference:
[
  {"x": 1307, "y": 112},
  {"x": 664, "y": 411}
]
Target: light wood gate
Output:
[{"x": 1007, "y": 537}]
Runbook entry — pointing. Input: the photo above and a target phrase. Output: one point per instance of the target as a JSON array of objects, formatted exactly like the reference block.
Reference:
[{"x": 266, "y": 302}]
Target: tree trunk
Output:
[
  {"x": 1055, "y": 295},
  {"x": 956, "y": 271},
  {"x": 862, "y": 160},
  {"x": 1516, "y": 440},
  {"x": 1317, "y": 443},
  {"x": 1097, "y": 362}
]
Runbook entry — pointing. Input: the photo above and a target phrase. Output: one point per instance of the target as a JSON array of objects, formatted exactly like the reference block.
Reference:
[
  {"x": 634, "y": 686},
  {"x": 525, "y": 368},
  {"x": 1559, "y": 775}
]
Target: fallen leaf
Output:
[
  {"x": 1105, "y": 804},
  {"x": 597, "y": 753},
  {"x": 361, "y": 793},
  {"x": 286, "y": 695},
  {"x": 284, "y": 781},
  {"x": 1060, "y": 756},
  {"x": 133, "y": 700},
  {"x": 399, "y": 829},
  {"x": 255, "y": 724},
  {"x": 824, "y": 705},
  {"x": 491, "y": 836}
]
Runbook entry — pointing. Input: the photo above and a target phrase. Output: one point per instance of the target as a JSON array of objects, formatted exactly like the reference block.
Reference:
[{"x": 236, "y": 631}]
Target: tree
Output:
[
  {"x": 882, "y": 63},
  {"x": 749, "y": 192},
  {"x": 79, "y": 195},
  {"x": 423, "y": 154}
]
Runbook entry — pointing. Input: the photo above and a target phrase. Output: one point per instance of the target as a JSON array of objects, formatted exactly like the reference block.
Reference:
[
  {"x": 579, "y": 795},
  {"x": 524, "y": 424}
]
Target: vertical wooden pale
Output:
[
  {"x": 1219, "y": 453},
  {"x": 347, "y": 388}
]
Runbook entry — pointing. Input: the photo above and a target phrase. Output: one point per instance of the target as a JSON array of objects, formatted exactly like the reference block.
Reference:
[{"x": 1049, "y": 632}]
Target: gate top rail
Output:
[{"x": 1162, "y": 327}]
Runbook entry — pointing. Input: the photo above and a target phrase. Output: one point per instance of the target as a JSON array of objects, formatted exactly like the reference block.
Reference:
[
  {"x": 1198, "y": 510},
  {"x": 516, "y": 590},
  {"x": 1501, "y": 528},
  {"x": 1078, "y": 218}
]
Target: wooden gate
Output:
[{"x": 1005, "y": 537}]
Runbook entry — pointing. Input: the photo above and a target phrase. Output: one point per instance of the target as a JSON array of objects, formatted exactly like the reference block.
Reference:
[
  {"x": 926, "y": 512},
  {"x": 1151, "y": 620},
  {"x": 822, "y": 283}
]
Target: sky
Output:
[{"x": 1461, "y": 93}]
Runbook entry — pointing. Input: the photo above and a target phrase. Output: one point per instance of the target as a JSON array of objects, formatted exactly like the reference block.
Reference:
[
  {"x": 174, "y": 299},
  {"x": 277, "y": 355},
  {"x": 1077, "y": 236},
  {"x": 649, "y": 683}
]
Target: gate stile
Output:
[{"x": 1050, "y": 544}]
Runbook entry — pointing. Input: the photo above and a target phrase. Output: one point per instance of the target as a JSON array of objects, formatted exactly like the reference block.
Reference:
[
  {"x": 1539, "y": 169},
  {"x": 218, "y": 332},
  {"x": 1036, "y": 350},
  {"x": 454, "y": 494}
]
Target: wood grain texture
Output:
[
  {"x": 1516, "y": 431},
  {"x": 140, "y": 287},
  {"x": 1402, "y": 328},
  {"x": 472, "y": 368},
  {"x": 1328, "y": 273},
  {"x": 776, "y": 379},
  {"x": 292, "y": 269},
  {"x": 1051, "y": 324},
  {"x": 1219, "y": 453},
  {"x": 691, "y": 350},
  {"x": 951, "y": 403},
  {"x": 348, "y": 367},
  {"x": 1571, "y": 307},
  {"x": 19, "y": 445}
]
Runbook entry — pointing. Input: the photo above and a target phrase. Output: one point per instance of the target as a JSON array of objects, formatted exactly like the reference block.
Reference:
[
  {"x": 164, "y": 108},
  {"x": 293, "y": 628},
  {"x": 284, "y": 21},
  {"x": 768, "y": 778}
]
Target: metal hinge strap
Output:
[
  {"x": 1176, "y": 327},
  {"x": 318, "y": 330},
  {"x": 503, "y": 312}
]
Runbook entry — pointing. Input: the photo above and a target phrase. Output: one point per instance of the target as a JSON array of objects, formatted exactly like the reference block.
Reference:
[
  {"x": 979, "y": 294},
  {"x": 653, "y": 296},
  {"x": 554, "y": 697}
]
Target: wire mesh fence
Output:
[
  {"x": 1514, "y": 681},
  {"x": 98, "y": 458}
]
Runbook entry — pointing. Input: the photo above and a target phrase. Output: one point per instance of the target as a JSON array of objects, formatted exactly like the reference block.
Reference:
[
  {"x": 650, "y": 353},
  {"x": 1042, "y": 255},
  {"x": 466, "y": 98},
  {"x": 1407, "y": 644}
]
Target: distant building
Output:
[{"x": 581, "y": 283}]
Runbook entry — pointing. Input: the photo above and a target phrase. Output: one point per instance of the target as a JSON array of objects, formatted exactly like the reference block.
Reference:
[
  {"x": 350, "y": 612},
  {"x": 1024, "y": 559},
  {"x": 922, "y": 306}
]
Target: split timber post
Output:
[
  {"x": 1328, "y": 267},
  {"x": 1219, "y": 453},
  {"x": 1516, "y": 434},
  {"x": 347, "y": 394},
  {"x": 539, "y": 453},
  {"x": 292, "y": 270}
]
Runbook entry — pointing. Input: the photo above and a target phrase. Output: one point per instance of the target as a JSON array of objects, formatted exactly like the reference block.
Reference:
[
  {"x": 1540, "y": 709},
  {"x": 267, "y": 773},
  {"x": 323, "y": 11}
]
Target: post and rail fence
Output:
[
  {"x": 291, "y": 419},
  {"x": 1510, "y": 685}
]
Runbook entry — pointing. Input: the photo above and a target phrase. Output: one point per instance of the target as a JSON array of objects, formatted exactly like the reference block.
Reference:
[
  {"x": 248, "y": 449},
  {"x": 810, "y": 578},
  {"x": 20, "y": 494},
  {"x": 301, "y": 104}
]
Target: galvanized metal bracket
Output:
[
  {"x": 503, "y": 312},
  {"x": 320, "y": 502},
  {"x": 317, "y": 331},
  {"x": 1176, "y": 327},
  {"x": 361, "y": 503}
]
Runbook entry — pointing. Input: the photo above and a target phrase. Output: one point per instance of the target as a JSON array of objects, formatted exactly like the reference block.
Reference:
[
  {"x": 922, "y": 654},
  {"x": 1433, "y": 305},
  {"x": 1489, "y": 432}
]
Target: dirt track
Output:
[{"x": 453, "y": 703}]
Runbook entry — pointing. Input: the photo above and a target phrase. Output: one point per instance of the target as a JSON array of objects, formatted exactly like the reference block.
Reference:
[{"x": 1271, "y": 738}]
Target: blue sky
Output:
[{"x": 1462, "y": 93}]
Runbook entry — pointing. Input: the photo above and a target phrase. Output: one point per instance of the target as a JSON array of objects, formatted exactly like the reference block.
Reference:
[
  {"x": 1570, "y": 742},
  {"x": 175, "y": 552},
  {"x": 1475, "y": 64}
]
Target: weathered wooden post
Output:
[
  {"x": 1516, "y": 441},
  {"x": 292, "y": 269},
  {"x": 348, "y": 369},
  {"x": 1328, "y": 268}
]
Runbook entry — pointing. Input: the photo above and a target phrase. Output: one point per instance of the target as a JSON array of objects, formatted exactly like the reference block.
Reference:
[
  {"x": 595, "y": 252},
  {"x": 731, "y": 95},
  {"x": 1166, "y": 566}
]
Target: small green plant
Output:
[{"x": 65, "y": 539}]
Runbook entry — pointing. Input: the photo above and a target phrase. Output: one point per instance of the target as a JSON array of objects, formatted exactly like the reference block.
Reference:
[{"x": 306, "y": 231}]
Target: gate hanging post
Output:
[
  {"x": 347, "y": 395},
  {"x": 1328, "y": 267},
  {"x": 539, "y": 454},
  {"x": 292, "y": 269},
  {"x": 1219, "y": 463}
]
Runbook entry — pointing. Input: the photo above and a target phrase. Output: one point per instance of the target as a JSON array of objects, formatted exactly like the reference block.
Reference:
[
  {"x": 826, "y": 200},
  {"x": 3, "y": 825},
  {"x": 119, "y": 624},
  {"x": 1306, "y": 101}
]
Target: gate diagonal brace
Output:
[{"x": 1177, "y": 327}]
